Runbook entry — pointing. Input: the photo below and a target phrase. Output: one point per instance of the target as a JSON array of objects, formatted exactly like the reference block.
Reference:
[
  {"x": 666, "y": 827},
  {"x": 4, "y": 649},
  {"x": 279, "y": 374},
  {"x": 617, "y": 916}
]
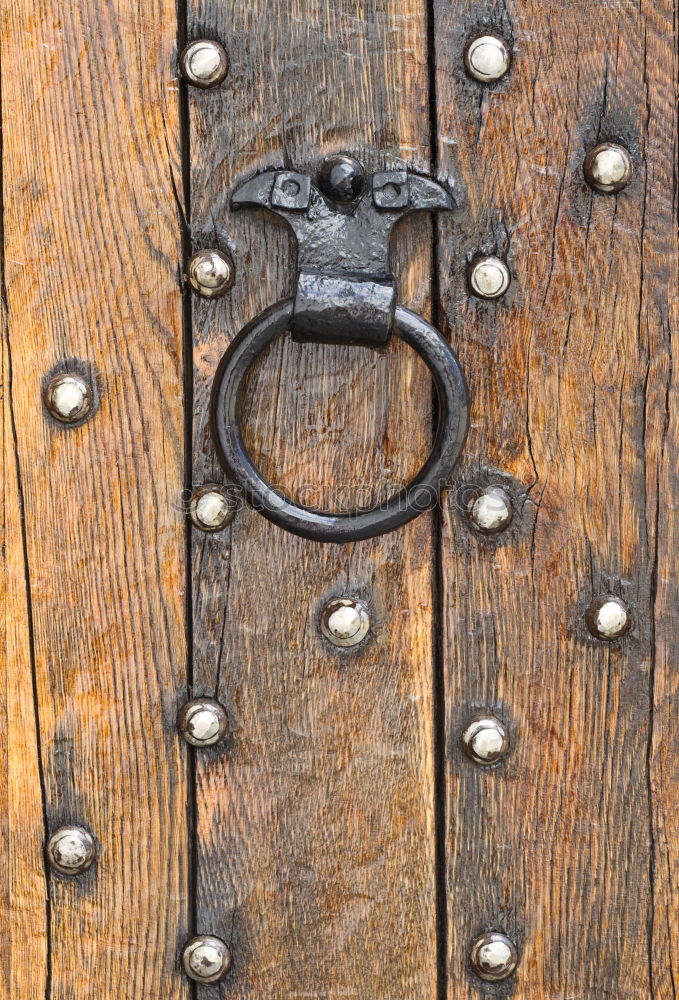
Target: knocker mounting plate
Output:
[{"x": 344, "y": 294}]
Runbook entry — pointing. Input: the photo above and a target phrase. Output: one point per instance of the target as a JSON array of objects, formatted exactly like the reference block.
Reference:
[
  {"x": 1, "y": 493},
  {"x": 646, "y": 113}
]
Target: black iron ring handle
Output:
[{"x": 420, "y": 495}]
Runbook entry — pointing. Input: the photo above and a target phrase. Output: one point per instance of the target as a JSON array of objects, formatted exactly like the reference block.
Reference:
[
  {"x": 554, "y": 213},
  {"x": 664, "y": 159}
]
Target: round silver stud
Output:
[
  {"x": 489, "y": 277},
  {"x": 206, "y": 959},
  {"x": 211, "y": 508},
  {"x": 202, "y": 722},
  {"x": 345, "y": 621},
  {"x": 68, "y": 397},
  {"x": 211, "y": 273},
  {"x": 487, "y": 58},
  {"x": 485, "y": 739},
  {"x": 490, "y": 511},
  {"x": 493, "y": 957},
  {"x": 71, "y": 850},
  {"x": 608, "y": 617},
  {"x": 608, "y": 167},
  {"x": 204, "y": 63}
]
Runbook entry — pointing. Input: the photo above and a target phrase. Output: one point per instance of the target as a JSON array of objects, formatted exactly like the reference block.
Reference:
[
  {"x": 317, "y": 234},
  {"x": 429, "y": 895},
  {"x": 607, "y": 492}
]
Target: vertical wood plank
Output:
[
  {"x": 24, "y": 913},
  {"x": 315, "y": 821},
  {"x": 561, "y": 846},
  {"x": 92, "y": 259},
  {"x": 659, "y": 317}
]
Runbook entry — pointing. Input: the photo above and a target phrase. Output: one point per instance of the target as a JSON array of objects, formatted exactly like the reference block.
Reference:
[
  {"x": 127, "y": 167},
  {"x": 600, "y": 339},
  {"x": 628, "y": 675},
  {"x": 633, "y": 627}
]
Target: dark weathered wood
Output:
[
  {"x": 570, "y": 379},
  {"x": 660, "y": 320},
  {"x": 90, "y": 146},
  {"x": 662, "y": 761},
  {"x": 315, "y": 822}
]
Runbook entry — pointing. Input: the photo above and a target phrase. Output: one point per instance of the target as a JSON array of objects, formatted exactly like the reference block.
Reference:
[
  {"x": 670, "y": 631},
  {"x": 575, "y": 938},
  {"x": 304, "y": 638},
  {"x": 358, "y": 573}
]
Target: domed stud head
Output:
[
  {"x": 211, "y": 508},
  {"x": 493, "y": 957},
  {"x": 341, "y": 178},
  {"x": 608, "y": 167},
  {"x": 485, "y": 740},
  {"x": 202, "y": 722},
  {"x": 490, "y": 511},
  {"x": 210, "y": 273},
  {"x": 608, "y": 617},
  {"x": 488, "y": 277},
  {"x": 204, "y": 64},
  {"x": 345, "y": 621},
  {"x": 67, "y": 397},
  {"x": 206, "y": 959},
  {"x": 487, "y": 58},
  {"x": 71, "y": 850}
]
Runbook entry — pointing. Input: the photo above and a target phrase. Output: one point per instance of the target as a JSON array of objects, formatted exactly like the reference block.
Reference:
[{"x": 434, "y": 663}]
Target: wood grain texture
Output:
[
  {"x": 315, "y": 822},
  {"x": 660, "y": 320},
  {"x": 92, "y": 258},
  {"x": 23, "y": 915},
  {"x": 571, "y": 845},
  {"x": 308, "y": 839}
]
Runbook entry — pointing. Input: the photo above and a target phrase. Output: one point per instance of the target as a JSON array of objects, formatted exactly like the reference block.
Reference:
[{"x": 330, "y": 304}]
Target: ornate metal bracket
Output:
[
  {"x": 344, "y": 294},
  {"x": 344, "y": 288}
]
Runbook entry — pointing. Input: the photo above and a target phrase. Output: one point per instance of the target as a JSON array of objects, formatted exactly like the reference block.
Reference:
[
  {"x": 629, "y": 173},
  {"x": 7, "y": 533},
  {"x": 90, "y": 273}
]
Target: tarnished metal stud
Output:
[
  {"x": 485, "y": 739},
  {"x": 202, "y": 722},
  {"x": 341, "y": 178},
  {"x": 68, "y": 397},
  {"x": 211, "y": 273},
  {"x": 345, "y": 621},
  {"x": 211, "y": 508},
  {"x": 608, "y": 617},
  {"x": 206, "y": 959},
  {"x": 71, "y": 850},
  {"x": 204, "y": 63},
  {"x": 490, "y": 511},
  {"x": 608, "y": 167},
  {"x": 487, "y": 58},
  {"x": 493, "y": 957},
  {"x": 489, "y": 277}
]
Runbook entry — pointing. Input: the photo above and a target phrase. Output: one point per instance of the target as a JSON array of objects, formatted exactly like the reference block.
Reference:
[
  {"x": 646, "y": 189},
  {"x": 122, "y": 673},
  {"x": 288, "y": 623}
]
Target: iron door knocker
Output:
[{"x": 344, "y": 294}]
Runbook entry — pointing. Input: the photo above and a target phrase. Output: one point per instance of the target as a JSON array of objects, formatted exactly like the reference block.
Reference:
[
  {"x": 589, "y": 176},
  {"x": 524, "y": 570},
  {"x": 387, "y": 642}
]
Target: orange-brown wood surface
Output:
[
  {"x": 24, "y": 946},
  {"x": 339, "y": 840},
  {"x": 94, "y": 532},
  {"x": 315, "y": 823},
  {"x": 570, "y": 845}
]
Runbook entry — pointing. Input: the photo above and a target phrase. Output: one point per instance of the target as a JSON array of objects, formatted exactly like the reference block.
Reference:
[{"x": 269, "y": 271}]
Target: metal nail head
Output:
[
  {"x": 487, "y": 58},
  {"x": 493, "y": 957},
  {"x": 211, "y": 273},
  {"x": 204, "y": 63},
  {"x": 202, "y": 722},
  {"x": 206, "y": 959},
  {"x": 345, "y": 621},
  {"x": 71, "y": 850}
]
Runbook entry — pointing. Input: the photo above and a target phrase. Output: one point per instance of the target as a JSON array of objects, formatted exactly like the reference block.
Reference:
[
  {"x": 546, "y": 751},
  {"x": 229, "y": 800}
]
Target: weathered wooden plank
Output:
[
  {"x": 569, "y": 377},
  {"x": 659, "y": 320},
  {"x": 92, "y": 257},
  {"x": 23, "y": 911},
  {"x": 315, "y": 821},
  {"x": 662, "y": 760}
]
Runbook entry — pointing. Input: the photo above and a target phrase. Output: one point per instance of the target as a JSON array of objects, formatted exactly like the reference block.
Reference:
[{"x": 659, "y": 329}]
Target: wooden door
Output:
[{"x": 341, "y": 839}]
